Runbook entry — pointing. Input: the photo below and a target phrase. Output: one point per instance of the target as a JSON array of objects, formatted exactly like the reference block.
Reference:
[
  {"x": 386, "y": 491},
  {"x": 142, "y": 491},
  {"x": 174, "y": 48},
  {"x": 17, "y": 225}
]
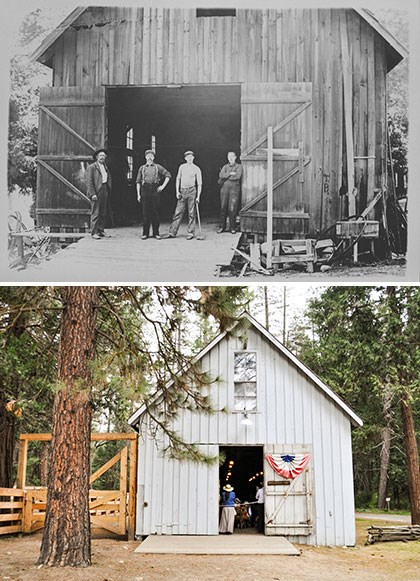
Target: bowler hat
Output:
[
  {"x": 188, "y": 153},
  {"x": 98, "y": 151},
  {"x": 149, "y": 151}
]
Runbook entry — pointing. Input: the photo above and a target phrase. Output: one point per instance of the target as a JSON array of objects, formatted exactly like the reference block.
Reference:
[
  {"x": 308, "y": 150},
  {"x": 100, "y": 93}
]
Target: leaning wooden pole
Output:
[
  {"x": 269, "y": 197},
  {"x": 348, "y": 114}
]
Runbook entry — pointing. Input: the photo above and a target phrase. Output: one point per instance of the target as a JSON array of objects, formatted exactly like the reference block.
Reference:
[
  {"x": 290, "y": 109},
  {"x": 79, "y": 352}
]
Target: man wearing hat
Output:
[
  {"x": 189, "y": 183},
  {"x": 149, "y": 185},
  {"x": 98, "y": 181},
  {"x": 227, "y": 518}
]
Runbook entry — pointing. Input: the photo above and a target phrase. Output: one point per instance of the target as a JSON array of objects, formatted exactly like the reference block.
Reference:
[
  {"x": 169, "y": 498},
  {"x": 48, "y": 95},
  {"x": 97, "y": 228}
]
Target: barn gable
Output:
[
  {"x": 395, "y": 50},
  {"x": 277, "y": 349}
]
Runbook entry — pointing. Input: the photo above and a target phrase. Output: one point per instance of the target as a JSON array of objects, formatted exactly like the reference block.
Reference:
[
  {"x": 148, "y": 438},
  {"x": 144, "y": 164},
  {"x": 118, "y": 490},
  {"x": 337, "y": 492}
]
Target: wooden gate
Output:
[
  {"x": 287, "y": 108},
  {"x": 288, "y": 503},
  {"x": 113, "y": 510},
  {"x": 72, "y": 124}
]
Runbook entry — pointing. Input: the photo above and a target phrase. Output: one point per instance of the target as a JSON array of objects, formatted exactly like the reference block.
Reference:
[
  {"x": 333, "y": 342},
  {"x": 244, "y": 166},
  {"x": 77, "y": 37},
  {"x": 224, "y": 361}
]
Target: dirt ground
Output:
[{"x": 115, "y": 560}]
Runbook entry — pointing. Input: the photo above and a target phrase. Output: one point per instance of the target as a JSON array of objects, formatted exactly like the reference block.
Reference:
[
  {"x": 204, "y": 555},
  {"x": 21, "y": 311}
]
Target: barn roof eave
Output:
[
  {"x": 42, "y": 53},
  {"x": 354, "y": 418},
  {"x": 135, "y": 417},
  {"x": 397, "y": 52}
]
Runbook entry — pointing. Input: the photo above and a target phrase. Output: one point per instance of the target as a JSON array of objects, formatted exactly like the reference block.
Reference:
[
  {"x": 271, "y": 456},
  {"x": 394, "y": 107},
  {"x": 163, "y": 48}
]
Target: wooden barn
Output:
[
  {"x": 267, "y": 403},
  {"x": 213, "y": 80}
]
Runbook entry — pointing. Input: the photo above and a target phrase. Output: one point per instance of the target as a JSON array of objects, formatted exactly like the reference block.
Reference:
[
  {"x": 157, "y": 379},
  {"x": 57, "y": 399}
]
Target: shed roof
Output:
[
  {"x": 354, "y": 418},
  {"x": 396, "y": 51}
]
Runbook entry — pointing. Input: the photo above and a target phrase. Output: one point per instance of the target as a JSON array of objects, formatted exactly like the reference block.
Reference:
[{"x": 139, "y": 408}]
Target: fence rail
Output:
[{"x": 12, "y": 503}]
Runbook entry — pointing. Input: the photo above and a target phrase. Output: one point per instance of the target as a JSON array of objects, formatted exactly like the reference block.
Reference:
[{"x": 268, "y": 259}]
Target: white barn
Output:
[{"x": 291, "y": 411}]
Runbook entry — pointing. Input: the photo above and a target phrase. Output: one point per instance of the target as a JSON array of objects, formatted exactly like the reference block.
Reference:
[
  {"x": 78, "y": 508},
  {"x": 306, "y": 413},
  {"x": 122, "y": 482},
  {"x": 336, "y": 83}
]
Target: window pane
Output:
[
  {"x": 245, "y": 368},
  {"x": 250, "y": 389},
  {"x": 251, "y": 404},
  {"x": 240, "y": 390},
  {"x": 240, "y": 404}
]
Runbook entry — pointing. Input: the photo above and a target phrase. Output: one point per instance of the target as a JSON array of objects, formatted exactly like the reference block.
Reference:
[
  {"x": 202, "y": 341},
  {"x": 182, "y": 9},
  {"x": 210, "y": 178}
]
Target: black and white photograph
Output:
[{"x": 159, "y": 144}]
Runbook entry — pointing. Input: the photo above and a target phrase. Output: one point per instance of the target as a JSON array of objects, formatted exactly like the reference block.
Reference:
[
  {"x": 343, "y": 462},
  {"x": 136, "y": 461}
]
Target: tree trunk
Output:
[
  {"x": 412, "y": 458},
  {"x": 7, "y": 442},
  {"x": 386, "y": 446},
  {"x": 67, "y": 537},
  {"x": 45, "y": 451}
]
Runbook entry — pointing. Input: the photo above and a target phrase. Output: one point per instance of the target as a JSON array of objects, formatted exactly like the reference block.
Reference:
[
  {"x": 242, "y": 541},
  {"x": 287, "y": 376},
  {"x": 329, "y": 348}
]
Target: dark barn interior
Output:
[
  {"x": 170, "y": 120},
  {"x": 246, "y": 470}
]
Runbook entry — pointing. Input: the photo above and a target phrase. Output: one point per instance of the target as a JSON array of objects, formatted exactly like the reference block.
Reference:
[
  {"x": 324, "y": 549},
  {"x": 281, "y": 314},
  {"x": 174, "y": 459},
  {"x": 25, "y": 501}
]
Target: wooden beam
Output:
[
  {"x": 278, "y": 127},
  {"x": 278, "y": 183},
  {"x": 22, "y": 463},
  {"x": 94, "y": 437},
  {"x": 132, "y": 491},
  {"x": 66, "y": 127},
  {"x": 105, "y": 467},
  {"x": 123, "y": 489},
  {"x": 269, "y": 197},
  {"x": 348, "y": 117},
  {"x": 63, "y": 179}
]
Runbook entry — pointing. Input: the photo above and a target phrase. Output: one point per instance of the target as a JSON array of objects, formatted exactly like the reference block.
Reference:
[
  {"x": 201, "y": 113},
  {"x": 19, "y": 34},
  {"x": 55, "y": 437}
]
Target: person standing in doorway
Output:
[
  {"x": 189, "y": 183},
  {"x": 227, "y": 518},
  {"x": 230, "y": 179},
  {"x": 152, "y": 179},
  {"x": 260, "y": 507},
  {"x": 98, "y": 182}
]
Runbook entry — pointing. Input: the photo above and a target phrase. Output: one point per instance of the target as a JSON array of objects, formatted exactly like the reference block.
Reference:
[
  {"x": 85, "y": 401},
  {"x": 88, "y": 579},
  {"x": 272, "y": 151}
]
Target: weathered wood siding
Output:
[
  {"x": 291, "y": 410},
  {"x": 160, "y": 46}
]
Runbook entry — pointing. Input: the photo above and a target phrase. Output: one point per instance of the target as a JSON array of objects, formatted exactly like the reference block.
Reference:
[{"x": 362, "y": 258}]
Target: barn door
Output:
[
  {"x": 288, "y": 501},
  {"x": 71, "y": 126},
  {"x": 287, "y": 108}
]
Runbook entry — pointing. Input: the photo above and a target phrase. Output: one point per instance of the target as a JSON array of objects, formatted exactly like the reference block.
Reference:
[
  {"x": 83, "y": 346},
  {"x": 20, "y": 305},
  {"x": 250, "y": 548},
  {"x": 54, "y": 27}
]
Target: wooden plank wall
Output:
[
  {"x": 159, "y": 46},
  {"x": 290, "y": 410}
]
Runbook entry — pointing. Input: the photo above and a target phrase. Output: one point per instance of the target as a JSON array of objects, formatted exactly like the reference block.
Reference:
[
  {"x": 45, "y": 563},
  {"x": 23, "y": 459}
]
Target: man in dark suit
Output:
[{"x": 98, "y": 181}]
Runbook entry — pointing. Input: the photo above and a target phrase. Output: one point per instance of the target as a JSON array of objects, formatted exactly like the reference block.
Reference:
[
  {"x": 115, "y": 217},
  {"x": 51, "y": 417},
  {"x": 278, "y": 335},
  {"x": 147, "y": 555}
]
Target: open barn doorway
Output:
[
  {"x": 170, "y": 120},
  {"x": 242, "y": 468}
]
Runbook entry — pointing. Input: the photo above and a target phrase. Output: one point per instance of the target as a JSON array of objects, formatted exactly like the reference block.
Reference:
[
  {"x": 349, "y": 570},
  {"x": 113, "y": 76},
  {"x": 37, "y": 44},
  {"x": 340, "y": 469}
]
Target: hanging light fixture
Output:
[{"x": 245, "y": 420}]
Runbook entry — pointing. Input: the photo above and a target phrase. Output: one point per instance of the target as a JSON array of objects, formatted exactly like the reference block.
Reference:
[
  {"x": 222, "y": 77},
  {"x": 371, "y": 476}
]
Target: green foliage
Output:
[{"x": 359, "y": 342}]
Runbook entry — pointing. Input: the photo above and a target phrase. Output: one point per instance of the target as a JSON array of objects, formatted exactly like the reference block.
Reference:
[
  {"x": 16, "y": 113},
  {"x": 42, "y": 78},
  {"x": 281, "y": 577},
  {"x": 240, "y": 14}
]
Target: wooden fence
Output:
[{"x": 22, "y": 509}]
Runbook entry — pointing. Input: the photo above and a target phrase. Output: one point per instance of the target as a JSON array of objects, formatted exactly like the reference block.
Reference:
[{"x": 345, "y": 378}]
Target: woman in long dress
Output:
[{"x": 227, "y": 518}]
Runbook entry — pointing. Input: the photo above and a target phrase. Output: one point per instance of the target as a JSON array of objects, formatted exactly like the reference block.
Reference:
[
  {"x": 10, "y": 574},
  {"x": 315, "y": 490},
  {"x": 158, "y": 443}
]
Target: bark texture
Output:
[
  {"x": 412, "y": 456},
  {"x": 7, "y": 442},
  {"x": 67, "y": 537}
]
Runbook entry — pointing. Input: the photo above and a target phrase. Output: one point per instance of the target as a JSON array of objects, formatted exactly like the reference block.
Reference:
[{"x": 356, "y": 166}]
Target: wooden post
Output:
[
  {"x": 22, "y": 462},
  {"x": 123, "y": 489},
  {"x": 27, "y": 511},
  {"x": 132, "y": 491},
  {"x": 269, "y": 196},
  {"x": 348, "y": 117}
]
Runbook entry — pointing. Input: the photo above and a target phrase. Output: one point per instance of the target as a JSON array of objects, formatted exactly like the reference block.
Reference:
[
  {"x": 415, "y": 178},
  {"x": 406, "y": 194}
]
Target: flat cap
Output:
[{"x": 188, "y": 153}]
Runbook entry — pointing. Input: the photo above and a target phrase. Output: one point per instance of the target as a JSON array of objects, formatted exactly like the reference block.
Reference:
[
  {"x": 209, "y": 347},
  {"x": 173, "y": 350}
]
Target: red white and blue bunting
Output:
[{"x": 288, "y": 465}]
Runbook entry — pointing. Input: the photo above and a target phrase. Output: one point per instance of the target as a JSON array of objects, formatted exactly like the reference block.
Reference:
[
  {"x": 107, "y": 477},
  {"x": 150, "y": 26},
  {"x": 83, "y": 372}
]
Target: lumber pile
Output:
[{"x": 378, "y": 534}]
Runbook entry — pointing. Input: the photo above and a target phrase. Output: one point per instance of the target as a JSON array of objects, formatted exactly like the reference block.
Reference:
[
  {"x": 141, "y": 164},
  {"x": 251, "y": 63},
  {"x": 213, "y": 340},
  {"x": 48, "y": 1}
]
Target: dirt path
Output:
[
  {"x": 394, "y": 518},
  {"x": 116, "y": 561}
]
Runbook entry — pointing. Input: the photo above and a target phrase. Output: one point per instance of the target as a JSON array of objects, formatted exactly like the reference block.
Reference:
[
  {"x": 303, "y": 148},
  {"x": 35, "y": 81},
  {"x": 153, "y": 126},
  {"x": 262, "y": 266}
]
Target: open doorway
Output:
[
  {"x": 242, "y": 468},
  {"x": 171, "y": 120}
]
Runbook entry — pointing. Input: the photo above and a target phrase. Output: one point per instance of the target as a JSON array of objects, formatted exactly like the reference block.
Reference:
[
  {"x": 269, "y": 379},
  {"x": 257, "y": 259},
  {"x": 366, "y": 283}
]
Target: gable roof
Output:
[
  {"x": 329, "y": 393},
  {"x": 396, "y": 51}
]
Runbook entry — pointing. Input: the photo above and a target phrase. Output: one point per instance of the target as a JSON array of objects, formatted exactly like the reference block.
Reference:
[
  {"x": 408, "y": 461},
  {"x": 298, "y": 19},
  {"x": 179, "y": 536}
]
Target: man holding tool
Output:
[{"x": 189, "y": 183}]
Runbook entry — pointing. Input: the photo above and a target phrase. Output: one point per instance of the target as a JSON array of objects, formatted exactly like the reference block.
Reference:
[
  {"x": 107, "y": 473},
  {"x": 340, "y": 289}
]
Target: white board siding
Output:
[
  {"x": 291, "y": 409},
  {"x": 181, "y": 497}
]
